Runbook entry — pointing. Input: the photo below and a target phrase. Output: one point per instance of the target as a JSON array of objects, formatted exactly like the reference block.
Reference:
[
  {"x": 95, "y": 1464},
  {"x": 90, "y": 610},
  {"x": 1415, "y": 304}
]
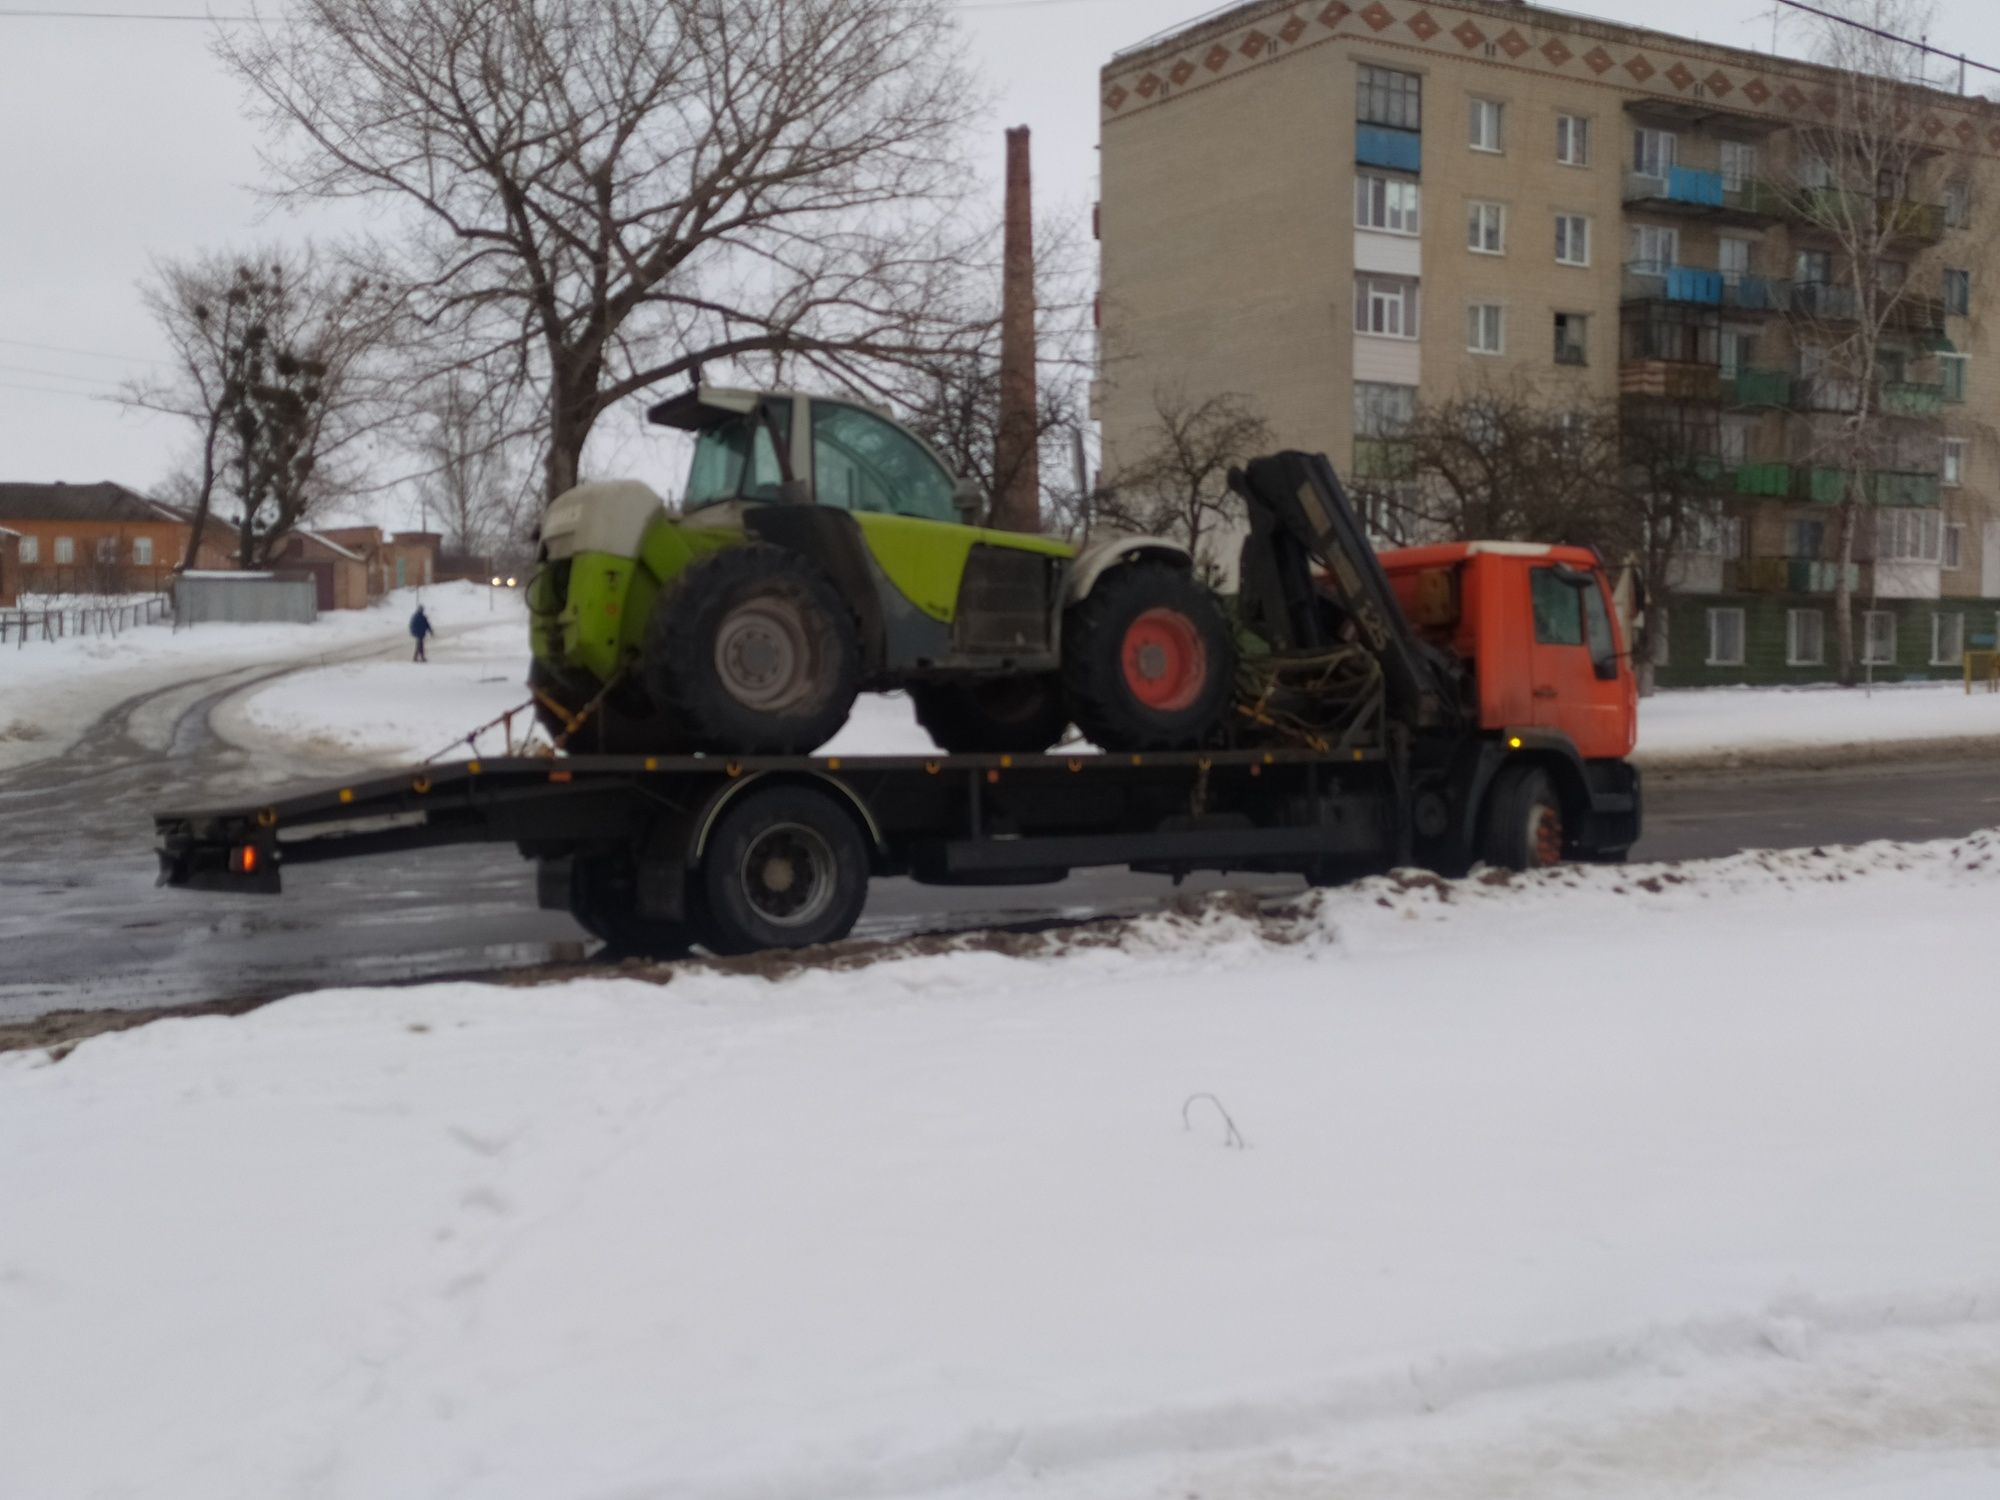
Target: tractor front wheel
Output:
[
  {"x": 1005, "y": 715},
  {"x": 752, "y": 650},
  {"x": 1148, "y": 660}
]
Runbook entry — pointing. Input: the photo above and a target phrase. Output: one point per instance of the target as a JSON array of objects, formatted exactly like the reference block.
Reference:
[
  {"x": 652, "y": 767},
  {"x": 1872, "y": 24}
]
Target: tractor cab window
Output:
[
  {"x": 1558, "y": 609},
  {"x": 864, "y": 463},
  {"x": 737, "y": 459}
]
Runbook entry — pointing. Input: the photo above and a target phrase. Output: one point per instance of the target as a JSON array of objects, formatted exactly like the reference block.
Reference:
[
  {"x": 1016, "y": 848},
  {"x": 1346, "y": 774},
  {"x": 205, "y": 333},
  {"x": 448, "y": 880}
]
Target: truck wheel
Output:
[
  {"x": 604, "y": 900},
  {"x": 752, "y": 650},
  {"x": 1018, "y": 715},
  {"x": 1148, "y": 660},
  {"x": 1523, "y": 829},
  {"x": 786, "y": 867}
]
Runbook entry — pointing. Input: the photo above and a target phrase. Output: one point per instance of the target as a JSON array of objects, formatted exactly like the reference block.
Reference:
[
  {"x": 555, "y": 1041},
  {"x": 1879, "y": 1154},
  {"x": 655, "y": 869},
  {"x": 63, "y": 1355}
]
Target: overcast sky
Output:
[{"x": 125, "y": 141}]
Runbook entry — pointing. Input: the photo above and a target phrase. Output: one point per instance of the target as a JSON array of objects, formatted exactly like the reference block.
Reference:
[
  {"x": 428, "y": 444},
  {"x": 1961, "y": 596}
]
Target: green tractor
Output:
[{"x": 822, "y": 550}]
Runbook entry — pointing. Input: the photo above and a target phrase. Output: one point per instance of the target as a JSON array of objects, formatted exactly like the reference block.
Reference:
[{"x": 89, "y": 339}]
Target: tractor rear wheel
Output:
[
  {"x": 1148, "y": 660},
  {"x": 752, "y": 650},
  {"x": 1008, "y": 715}
]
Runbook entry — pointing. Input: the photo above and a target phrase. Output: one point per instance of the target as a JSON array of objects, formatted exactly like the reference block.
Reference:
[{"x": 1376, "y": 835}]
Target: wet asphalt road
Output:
[{"x": 83, "y": 926}]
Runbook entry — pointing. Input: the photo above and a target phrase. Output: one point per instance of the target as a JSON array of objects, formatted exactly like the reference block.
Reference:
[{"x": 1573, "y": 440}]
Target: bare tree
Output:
[
  {"x": 1178, "y": 485},
  {"x": 612, "y": 194},
  {"x": 468, "y": 483},
  {"x": 274, "y": 357},
  {"x": 1857, "y": 160},
  {"x": 1507, "y": 464},
  {"x": 1671, "y": 467}
]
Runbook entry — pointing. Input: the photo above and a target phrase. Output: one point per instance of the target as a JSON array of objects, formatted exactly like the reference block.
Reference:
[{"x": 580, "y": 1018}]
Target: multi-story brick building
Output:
[{"x": 1341, "y": 209}]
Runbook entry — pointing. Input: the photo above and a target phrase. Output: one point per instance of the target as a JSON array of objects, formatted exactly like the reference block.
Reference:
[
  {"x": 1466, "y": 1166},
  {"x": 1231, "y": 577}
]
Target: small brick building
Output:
[{"x": 96, "y": 539}]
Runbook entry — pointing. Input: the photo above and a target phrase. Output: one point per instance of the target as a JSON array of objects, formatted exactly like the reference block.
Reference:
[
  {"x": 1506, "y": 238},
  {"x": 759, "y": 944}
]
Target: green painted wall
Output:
[{"x": 1764, "y": 639}]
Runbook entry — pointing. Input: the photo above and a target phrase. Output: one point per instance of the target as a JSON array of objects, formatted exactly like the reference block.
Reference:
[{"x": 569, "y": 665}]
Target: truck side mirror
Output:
[{"x": 969, "y": 501}]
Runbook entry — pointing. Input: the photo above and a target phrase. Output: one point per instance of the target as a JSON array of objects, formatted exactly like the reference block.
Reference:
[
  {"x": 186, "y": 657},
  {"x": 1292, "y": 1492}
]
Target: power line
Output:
[
  {"x": 58, "y": 375},
  {"x": 123, "y": 359},
  {"x": 1888, "y": 36}
]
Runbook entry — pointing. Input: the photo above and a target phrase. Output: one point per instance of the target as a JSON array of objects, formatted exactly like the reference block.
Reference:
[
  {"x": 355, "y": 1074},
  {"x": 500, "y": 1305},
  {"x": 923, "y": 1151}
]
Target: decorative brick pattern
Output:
[
  {"x": 1425, "y": 25},
  {"x": 1468, "y": 35},
  {"x": 1681, "y": 76},
  {"x": 1254, "y": 44},
  {"x": 1557, "y": 52},
  {"x": 1149, "y": 85},
  {"x": 1757, "y": 92},
  {"x": 1217, "y": 59},
  {"x": 1182, "y": 72},
  {"x": 1639, "y": 68},
  {"x": 1294, "y": 28},
  {"x": 1599, "y": 60},
  {"x": 1334, "y": 14},
  {"x": 1378, "y": 16},
  {"x": 1115, "y": 100},
  {"x": 1718, "y": 84},
  {"x": 1792, "y": 98},
  {"x": 1513, "y": 43}
]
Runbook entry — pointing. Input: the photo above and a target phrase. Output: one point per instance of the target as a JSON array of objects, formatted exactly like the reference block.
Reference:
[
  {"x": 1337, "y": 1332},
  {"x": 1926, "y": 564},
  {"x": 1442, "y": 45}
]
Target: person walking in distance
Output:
[{"x": 421, "y": 629}]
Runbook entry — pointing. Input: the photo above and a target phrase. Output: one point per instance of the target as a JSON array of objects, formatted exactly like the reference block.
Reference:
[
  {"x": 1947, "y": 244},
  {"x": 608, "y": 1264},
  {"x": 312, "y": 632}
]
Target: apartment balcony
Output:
[
  {"x": 1903, "y": 221},
  {"x": 1786, "y": 575},
  {"x": 1384, "y": 146},
  {"x": 1701, "y": 194},
  {"x": 1763, "y": 481},
  {"x": 1751, "y": 388},
  {"x": 1830, "y": 302},
  {"x": 1905, "y": 398},
  {"x": 1382, "y": 460},
  {"x": 1824, "y": 485},
  {"x": 1700, "y": 286},
  {"x": 1669, "y": 380}
]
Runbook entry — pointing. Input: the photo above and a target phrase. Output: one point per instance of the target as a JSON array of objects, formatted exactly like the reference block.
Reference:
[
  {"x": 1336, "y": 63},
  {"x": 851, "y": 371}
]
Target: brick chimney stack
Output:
[{"x": 1018, "y": 505}]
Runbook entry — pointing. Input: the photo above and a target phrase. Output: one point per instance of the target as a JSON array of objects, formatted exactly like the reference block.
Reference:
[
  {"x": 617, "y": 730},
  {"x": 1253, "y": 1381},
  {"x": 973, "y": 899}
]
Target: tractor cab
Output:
[{"x": 779, "y": 447}]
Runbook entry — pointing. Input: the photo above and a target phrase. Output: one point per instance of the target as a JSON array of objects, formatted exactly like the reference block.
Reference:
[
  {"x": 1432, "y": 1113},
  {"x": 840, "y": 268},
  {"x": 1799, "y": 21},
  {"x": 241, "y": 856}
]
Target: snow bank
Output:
[
  {"x": 52, "y": 692},
  {"x": 1715, "y": 722},
  {"x": 1593, "y": 1184}
]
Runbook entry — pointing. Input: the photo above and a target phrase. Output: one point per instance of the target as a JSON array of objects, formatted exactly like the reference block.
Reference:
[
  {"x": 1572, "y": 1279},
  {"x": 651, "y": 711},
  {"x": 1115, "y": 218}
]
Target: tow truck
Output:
[{"x": 1434, "y": 707}]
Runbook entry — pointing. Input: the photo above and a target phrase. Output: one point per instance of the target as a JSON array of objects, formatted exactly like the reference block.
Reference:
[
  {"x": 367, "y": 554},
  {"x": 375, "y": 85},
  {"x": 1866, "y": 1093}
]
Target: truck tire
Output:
[
  {"x": 751, "y": 650},
  {"x": 786, "y": 867},
  {"x": 604, "y": 900},
  {"x": 1148, "y": 660},
  {"x": 1008, "y": 715},
  {"x": 1523, "y": 826}
]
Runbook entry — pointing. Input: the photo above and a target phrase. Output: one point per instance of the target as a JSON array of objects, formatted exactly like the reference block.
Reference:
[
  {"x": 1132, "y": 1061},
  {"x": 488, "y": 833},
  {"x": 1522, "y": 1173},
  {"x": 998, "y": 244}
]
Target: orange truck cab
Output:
[{"x": 1536, "y": 629}]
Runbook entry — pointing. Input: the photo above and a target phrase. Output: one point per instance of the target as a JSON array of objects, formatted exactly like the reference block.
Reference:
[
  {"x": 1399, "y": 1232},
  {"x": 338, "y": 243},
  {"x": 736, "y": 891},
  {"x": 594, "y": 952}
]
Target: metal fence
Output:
[
  {"x": 19, "y": 626},
  {"x": 245, "y": 599}
]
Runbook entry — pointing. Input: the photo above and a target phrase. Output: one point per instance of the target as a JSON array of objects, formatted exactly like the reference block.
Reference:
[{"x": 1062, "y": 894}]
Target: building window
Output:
[
  {"x": 1725, "y": 637},
  {"x": 1947, "y": 640},
  {"x": 107, "y": 549},
  {"x": 1958, "y": 203},
  {"x": 1572, "y": 338},
  {"x": 1909, "y": 536},
  {"x": 1487, "y": 117},
  {"x": 1892, "y": 275},
  {"x": 1878, "y": 638},
  {"x": 1382, "y": 410},
  {"x": 1386, "y": 97},
  {"x": 1805, "y": 539},
  {"x": 1655, "y": 249},
  {"x": 1954, "y": 462},
  {"x": 1954, "y": 548},
  {"x": 1813, "y": 267},
  {"x": 1386, "y": 306},
  {"x": 1385, "y": 203},
  {"x": 1805, "y": 638},
  {"x": 31, "y": 550},
  {"x": 1739, "y": 165},
  {"x": 142, "y": 551},
  {"x": 1486, "y": 228},
  {"x": 1951, "y": 370},
  {"x": 1485, "y": 328},
  {"x": 1958, "y": 292},
  {"x": 1653, "y": 152},
  {"x": 1572, "y": 240},
  {"x": 65, "y": 551},
  {"x": 1573, "y": 140}
]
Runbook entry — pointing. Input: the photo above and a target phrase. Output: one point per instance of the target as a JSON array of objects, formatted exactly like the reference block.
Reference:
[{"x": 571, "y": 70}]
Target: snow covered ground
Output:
[
  {"x": 1717, "y": 722},
  {"x": 51, "y": 692},
  {"x": 1593, "y": 1186}
]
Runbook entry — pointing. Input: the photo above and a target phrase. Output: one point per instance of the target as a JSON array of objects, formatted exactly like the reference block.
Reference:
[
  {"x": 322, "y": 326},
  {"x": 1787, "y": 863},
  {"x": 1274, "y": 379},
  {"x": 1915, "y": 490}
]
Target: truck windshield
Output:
[{"x": 736, "y": 459}]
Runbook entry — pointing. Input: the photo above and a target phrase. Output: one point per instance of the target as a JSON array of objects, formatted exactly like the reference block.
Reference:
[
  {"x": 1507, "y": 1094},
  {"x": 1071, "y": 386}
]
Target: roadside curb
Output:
[{"x": 1827, "y": 756}]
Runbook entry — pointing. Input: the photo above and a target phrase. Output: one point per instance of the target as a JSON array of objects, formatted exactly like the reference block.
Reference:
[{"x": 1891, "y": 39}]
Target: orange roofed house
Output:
[{"x": 93, "y": 539}]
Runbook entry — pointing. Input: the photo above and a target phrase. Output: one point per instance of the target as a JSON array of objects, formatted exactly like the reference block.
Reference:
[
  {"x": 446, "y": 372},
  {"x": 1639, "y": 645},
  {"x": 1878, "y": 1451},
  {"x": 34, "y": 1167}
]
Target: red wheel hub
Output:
[
  {"x": 1548, "y": 831},
  {"x": 1165, "y": 662}
]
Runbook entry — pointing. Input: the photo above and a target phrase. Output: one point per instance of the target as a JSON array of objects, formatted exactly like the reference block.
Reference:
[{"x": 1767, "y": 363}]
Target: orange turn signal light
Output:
[{"x": 243, "y": 859}]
